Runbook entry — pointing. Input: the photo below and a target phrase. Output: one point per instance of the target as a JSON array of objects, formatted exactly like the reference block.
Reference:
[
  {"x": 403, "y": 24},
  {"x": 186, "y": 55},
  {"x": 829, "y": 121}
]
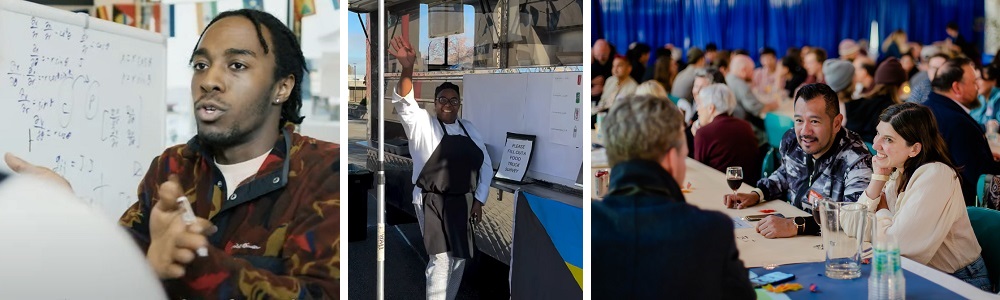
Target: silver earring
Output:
[{"x": 276, "y": 101}]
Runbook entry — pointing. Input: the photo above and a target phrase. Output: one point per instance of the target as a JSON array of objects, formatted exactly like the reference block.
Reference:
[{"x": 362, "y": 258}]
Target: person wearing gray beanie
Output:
[{"x": 839, "y": 74}]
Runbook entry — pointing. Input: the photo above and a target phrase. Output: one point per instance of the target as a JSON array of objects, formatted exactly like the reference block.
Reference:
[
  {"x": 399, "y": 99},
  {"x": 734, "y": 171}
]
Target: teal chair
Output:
[
  {"x": 776, "y": 125},
  {"x": 981, "y": 191},
  {"x": 871, "y": 148},
  {"x": 986, "y": 225},
  {"x": 771, "y": 162}
]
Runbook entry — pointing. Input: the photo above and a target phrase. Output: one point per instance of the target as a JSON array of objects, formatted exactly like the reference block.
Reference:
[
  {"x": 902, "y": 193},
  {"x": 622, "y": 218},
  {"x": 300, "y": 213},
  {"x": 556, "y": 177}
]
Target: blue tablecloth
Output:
[{"x": 808, "y": 273}]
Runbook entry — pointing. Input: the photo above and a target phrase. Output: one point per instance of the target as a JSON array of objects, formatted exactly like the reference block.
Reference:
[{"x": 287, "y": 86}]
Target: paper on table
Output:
[{"x": 740, "y": 223}]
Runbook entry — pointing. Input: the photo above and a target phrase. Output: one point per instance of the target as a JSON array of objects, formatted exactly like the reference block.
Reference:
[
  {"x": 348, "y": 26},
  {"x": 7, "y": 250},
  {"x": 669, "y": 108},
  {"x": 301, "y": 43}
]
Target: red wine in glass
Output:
[
  {"x": 734, "y": 183},
  {"x": 734, "y": 176}
]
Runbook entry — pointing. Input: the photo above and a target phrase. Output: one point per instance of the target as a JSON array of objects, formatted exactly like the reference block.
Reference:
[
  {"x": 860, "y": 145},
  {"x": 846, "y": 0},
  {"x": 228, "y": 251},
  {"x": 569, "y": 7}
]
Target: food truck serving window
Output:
[{"x": 489, "y": 34}]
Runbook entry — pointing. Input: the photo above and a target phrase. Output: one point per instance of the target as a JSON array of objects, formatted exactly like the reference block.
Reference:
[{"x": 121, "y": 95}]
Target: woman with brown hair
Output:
[
  {"x": 664, "y": 70},
  {"x": 917, "y": 194}
]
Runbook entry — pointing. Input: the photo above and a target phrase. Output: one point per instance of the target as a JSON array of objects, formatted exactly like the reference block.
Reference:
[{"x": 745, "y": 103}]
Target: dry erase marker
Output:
[{"x": 189, "y": 219}]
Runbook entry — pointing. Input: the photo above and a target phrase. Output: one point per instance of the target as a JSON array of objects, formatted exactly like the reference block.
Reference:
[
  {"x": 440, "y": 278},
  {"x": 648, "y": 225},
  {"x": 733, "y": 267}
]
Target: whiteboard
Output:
[
  {"x": 547, "y": 105},
  {"x": 84, "y": 97}
]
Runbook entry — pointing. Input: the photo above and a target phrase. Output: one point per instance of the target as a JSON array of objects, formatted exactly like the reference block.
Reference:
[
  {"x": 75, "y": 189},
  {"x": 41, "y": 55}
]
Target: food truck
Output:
[{"x": 519, "y": 66}]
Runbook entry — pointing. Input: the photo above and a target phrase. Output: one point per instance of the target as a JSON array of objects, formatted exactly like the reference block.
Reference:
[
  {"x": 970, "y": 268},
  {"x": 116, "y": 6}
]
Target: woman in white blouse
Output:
[{"x": 918, "y": 196}]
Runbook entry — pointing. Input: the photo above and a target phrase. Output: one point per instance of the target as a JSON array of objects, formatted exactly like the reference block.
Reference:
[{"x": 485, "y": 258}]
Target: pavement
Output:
[{"x": 405, "y": 257}]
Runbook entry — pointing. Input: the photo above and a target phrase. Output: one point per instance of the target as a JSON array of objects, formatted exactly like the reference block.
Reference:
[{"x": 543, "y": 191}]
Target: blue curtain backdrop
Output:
[{"x": 779, "y": 24}]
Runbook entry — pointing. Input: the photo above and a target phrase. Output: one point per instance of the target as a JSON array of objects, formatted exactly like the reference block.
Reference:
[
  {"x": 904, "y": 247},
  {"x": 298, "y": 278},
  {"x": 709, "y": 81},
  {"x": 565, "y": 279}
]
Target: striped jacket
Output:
[
  {"x": 842, "y": 173},
  {"x": 278, "y": 234}
]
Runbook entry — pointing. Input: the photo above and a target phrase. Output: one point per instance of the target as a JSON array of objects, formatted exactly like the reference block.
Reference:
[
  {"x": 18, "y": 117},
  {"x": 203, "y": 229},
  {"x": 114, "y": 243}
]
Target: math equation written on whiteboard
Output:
[{"x": 80, "y": 96}]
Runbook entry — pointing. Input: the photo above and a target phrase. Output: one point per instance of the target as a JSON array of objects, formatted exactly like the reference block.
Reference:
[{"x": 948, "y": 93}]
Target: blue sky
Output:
[
  {"x": 356, "y": 36},
  {"x": 356, "y": 42}
]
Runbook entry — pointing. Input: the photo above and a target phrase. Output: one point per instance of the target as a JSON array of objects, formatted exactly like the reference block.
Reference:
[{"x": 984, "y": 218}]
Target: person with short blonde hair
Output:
[
  {"x": 650, "y": 88},
  {"x": 643, "y": 127},
  {"x": 639, "y": 218}
]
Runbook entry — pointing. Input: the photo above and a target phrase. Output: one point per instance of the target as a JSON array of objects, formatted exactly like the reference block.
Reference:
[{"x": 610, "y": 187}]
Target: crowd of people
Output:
[{"x": 902, "y": 129}]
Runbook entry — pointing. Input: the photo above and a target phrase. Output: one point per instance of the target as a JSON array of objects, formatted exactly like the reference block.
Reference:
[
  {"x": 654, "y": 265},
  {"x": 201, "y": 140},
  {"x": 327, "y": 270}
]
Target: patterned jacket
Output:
[
  {"x": 842, "y": 173},
  {"x": 278, "y": 234}
]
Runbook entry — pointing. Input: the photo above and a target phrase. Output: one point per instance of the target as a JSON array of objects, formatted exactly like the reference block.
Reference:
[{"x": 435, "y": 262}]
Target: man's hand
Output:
[
  {"x": 23, "y": 167},
  {"x": 741, "y": 200},
  {"x": 777, "y": 227},
  {"x": 173, "y": 242},
  {"x": 403, "y": 52},
  {"x": 477, "y": 211}
]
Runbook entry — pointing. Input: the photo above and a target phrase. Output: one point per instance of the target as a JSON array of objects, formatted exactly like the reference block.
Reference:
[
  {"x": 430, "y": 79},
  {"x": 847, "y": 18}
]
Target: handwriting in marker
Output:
[{"x": 78, "y": 98}]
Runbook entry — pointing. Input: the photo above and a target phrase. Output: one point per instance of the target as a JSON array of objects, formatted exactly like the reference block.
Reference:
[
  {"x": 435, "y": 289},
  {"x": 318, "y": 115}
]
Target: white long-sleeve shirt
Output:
[
  {"x": 929, "y": 220},
  {"x": 425, "y": 134}
]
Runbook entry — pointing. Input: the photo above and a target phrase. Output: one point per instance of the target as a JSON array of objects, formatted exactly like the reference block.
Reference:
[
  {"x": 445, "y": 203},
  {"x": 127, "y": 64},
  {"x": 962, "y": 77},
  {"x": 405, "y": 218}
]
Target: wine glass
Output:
[{"x": 734, "y": 176}]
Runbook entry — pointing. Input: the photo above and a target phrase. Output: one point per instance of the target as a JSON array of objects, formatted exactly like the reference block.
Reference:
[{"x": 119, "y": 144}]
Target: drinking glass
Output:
[{"x": 734, "y": 176}]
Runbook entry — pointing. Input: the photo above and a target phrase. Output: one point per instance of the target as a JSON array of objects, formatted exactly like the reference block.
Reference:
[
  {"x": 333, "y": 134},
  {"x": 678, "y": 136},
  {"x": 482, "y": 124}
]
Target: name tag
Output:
[{"x": 812, "y": 200}]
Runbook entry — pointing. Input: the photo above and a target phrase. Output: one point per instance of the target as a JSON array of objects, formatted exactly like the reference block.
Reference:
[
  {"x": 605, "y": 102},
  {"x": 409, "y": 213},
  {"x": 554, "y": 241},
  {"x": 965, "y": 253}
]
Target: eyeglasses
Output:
[{"x": 452, "y": 101}]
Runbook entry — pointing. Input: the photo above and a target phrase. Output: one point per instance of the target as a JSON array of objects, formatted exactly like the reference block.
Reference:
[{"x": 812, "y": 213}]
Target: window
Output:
[{"x": 489, "y": 34}]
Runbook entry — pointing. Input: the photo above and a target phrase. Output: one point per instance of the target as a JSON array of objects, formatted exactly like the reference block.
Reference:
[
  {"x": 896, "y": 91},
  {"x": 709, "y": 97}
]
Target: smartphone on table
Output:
[
  {"x": 755, "y": 218},
  {"x": 772, "y": 278}
]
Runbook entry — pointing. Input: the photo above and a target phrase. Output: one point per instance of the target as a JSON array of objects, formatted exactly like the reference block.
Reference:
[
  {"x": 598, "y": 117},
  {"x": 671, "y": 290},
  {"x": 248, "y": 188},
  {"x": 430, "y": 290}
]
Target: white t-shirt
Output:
[
  {"x": 425, "y": 134},
  {"x": 236, "y": 173}
]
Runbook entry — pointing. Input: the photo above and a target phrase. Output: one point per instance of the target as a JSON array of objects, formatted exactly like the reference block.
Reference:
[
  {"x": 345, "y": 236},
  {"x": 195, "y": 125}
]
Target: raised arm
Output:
[
  {"x": 403, "y": 52},
  {"x": 416, "y": 121}
]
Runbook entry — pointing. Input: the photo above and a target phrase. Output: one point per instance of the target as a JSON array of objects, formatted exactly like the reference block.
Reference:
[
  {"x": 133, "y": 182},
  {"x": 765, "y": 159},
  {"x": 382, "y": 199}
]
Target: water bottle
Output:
[{"x": 886, "y": 281}]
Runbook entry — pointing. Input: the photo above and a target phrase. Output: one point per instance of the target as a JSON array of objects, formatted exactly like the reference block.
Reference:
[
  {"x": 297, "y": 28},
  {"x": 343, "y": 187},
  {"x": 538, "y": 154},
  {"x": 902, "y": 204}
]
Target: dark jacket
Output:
[
  {"x": 649, "y": 244},
  {"x": 966, "y": 143},
  {"x": 278, "y": 233},
  {"x": 862, "y": 115},
  {"x": 799, "y": 75},
  {"x": 602, "y": 70},
  {"x": 842, "y": 173}
]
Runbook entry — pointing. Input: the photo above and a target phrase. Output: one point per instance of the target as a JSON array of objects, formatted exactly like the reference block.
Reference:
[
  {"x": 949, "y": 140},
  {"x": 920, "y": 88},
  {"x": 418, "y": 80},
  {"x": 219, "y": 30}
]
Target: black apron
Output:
[{"x": 446, "y": 179}]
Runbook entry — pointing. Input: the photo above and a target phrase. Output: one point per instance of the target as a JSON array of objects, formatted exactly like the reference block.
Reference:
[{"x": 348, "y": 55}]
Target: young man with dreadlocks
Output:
[
  {"x": 266, "y": 198},
  {"x": 448, "y": 154}
]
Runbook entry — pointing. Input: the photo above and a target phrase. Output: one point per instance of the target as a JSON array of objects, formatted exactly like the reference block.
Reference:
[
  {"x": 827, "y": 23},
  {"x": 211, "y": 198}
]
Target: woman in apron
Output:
[{"x": 449, "y": 163}]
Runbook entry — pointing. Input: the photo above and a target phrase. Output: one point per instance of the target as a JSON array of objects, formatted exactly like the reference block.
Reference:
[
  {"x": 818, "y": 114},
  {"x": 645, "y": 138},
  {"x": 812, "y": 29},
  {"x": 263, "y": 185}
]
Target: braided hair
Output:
[{"x": 287, "y": 54}]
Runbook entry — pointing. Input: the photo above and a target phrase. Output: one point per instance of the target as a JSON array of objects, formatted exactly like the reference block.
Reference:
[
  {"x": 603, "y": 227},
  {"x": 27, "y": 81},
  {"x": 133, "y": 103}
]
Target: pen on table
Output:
[{"x": 189, "y": 219}]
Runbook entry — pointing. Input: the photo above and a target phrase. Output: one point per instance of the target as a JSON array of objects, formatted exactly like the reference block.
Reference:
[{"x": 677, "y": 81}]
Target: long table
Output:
[{"x": 708, "y": 186}]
